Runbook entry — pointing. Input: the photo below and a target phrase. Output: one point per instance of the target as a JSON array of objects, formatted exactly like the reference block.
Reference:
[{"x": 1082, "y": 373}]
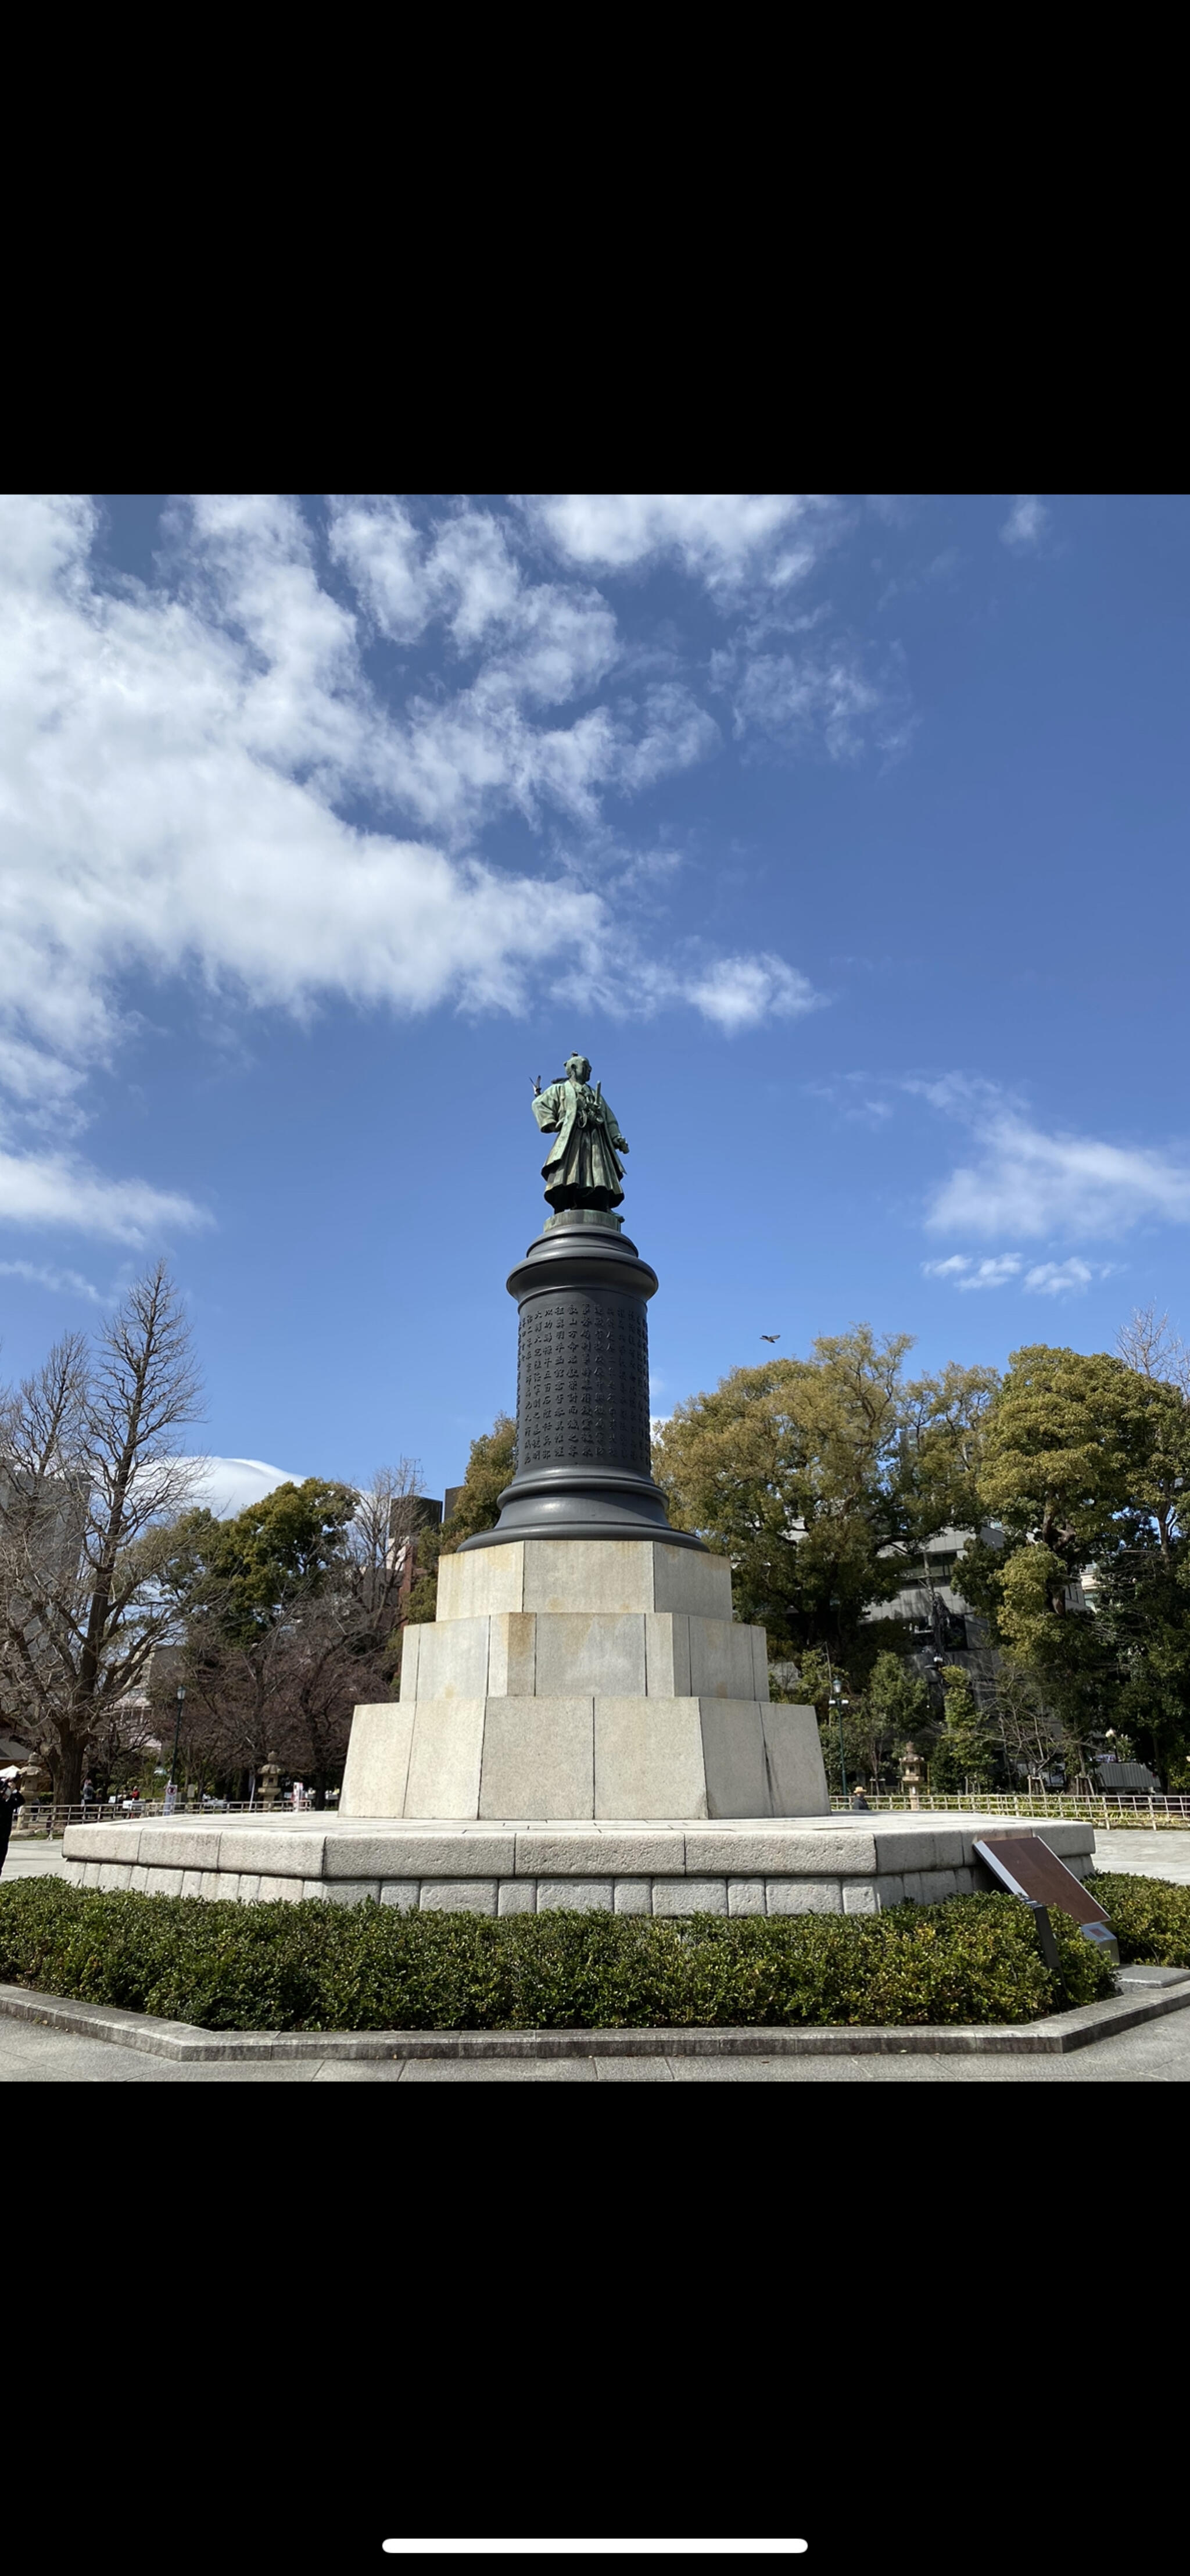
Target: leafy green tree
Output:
[
  {"x": 966, "y": 1748},
  {"x": 292, "y": 1610},
  {"x": 815, "y": 1477},
  {"x": 1085, "y": 1461},
  {"x": 787, "y": 1470}
]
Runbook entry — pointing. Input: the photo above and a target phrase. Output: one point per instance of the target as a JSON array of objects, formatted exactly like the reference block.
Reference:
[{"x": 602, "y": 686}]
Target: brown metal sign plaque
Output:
[{"x": 1027, "y": 1867}]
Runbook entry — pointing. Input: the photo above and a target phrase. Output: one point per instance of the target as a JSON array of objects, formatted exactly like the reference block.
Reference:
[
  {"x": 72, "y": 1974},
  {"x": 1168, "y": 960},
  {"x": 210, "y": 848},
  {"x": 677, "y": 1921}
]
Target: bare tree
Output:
[
  {"x": 91, "y": 1481},
  {"x": 1148, "y": 1344}
]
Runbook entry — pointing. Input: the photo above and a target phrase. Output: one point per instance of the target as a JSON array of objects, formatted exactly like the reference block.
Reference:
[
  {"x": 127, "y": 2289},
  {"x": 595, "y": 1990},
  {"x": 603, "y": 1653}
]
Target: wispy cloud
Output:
[
  {"x": 721, "y": 538},
  {"x": 1002, "y": 1270},
  {"x": 823, "y": 693},
  {"x": 50, "y": 1190},
  {"x": 1025, "y": 1182},
  {"x": 1026, "y": 523},
  {"x": 1029, "y": 1183},
  {"x": 739, "y": 992},
  {"x": 1066, "y": 1278},
  {"x": 964, "y": 1272},
  {"x": 68, "y": 1283}
]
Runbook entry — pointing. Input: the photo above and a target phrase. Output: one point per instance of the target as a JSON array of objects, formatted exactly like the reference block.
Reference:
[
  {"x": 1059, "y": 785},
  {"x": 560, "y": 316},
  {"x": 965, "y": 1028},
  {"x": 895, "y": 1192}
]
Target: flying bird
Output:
[{"x": 770, "y": 1337}]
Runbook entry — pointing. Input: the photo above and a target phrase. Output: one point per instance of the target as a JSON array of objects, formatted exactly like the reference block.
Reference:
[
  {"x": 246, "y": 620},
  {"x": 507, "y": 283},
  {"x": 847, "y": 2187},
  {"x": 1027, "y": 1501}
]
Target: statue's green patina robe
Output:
[{"x": 584, "y": 1167}]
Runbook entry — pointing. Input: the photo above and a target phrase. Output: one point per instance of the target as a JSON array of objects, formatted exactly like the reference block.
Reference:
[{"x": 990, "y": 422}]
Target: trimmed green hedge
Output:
[
  {"x": 1149, "y": 1916},
  {"x": 316, "y": 1966}
]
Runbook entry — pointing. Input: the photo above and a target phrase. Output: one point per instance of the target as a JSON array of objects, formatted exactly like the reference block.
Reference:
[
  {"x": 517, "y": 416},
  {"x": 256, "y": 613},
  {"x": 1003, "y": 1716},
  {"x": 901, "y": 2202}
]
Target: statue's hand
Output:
[
  {"x": 537, "y": 1086},
  {"x": 622, "y": 1147}
]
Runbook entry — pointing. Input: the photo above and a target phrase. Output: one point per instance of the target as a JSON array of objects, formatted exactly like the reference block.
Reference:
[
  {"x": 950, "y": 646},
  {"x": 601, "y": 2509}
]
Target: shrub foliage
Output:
[
  {"x": 319, "y": 1966},
  {"x": 1150, "y": 1918}
]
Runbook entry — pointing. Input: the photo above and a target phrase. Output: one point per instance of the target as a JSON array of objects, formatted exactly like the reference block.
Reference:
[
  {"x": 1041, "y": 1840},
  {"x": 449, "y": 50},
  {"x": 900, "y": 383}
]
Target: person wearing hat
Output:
[{"x": 10, "y": 1799}]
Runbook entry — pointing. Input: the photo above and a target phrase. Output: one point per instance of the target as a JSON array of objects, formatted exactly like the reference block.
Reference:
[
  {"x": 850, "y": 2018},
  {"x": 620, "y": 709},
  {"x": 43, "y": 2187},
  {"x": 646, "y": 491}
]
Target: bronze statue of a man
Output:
[{"x": 584, "y": 1168}]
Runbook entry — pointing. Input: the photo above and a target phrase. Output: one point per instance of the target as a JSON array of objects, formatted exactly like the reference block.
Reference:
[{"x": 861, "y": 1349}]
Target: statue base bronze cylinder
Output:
[{"x": 583, "y": 1430}]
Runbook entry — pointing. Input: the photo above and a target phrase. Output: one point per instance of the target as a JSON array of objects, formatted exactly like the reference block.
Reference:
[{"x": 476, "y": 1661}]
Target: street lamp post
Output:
[
  {"x": 172, "y": 1782},
  {"x": 840, "y": 1703}
]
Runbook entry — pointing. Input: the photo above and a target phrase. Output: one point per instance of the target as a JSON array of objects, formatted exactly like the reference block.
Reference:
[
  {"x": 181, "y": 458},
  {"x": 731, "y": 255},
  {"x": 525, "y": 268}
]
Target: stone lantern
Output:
[
  {"x": 270, "y": 1776},
  {"x": 35, "y": 1785},
  {"x": 911, "y": 1775}
]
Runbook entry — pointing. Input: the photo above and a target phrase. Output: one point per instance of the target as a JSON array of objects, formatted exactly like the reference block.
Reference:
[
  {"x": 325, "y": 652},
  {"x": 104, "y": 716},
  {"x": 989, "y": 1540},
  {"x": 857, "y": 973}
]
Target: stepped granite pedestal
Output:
[{"x": 580, "y": 1679}]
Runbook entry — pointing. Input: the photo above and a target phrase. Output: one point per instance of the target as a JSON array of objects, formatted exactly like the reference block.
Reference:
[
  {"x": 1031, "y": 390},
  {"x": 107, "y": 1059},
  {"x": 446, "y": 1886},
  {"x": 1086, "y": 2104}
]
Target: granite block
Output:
[
  {"x": 803, "y": 1896},
  {"x": 573, "y": 1851},
  {"x": 350, "y": 1891},
  {"x": 178, "y": 1846},
  {"x": 581, "y": 1652},
  {"x": 685, "y": 1580},
  {"x": 721, "y": 1665},
  {"x": 482, "y": 1584},
  {"x": 283, "y": 1855},
  {"x": 411, "y": 1637},
  {"x": 512, "y": 1656},
  {"x": 859, "y": 1896},
  {"x": 577, "y": 1895},
  {"x": 417, "y": 1852},
  {"x": 900, "y": 1847},
  {"x": 446, "y": 1755},
  {"x": 793, "y": 1755},
  {"x": 689, "y": 1896},
  {"x": 517, "y": 1896},
  {"x": 648, "y": 1756},
  {"x": 538, "y": 1757},
  {"x": 453, "y": 1662},
  {"x": 404, "y": 1893},
  {"x": 745, "y": 1896},
  {"x": 633, "y": 1896},
  {"x": 103, "y": 1842},
  {"x": 459, "y": 1895}
]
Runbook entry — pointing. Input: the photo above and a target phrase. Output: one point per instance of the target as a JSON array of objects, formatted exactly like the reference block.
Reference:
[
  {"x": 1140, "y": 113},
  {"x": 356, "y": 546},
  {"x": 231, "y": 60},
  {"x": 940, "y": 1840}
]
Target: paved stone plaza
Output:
[{"x": 1159, "y": 2053}]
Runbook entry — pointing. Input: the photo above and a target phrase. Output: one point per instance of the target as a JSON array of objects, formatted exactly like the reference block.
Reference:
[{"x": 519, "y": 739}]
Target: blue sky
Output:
[{"x": 846, "y": 835}]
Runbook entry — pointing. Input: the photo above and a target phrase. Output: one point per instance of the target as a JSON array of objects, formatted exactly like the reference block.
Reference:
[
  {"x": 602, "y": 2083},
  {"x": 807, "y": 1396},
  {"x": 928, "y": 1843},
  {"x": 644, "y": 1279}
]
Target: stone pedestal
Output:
[
  {"x": 789, "y": 1865},
  {"x": 571, "y": 1679}
]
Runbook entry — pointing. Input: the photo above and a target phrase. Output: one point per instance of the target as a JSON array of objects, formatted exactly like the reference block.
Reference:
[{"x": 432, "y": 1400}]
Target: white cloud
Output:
[
  {"x": 49, "y": 1190},
  {"x": 1046, "y": 1278},
  {"x": 69, "y": 1283},
  {"x": 1055, "y": 1278},
  {"x": 739, "y": 992},
  {"x": 1026, "y": 523},
  {"x": 1026, "y": 1183},
  {"x": 226, "y": 1486},
  {"x": 200, "y": 777},
  {"x": 721, "y": 538},
  {"x": 966, "y": 1273},
  {"x": 787, "y": 697}
]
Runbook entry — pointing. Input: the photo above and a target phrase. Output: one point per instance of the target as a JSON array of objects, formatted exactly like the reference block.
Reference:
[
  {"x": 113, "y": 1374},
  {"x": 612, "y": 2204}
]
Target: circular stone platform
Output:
[{"x": 770, "y": 1865}]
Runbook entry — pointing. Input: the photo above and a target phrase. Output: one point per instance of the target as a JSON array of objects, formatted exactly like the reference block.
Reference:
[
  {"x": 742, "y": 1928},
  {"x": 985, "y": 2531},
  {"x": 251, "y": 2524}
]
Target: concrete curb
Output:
[{"x": 183, "y": 2040}]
